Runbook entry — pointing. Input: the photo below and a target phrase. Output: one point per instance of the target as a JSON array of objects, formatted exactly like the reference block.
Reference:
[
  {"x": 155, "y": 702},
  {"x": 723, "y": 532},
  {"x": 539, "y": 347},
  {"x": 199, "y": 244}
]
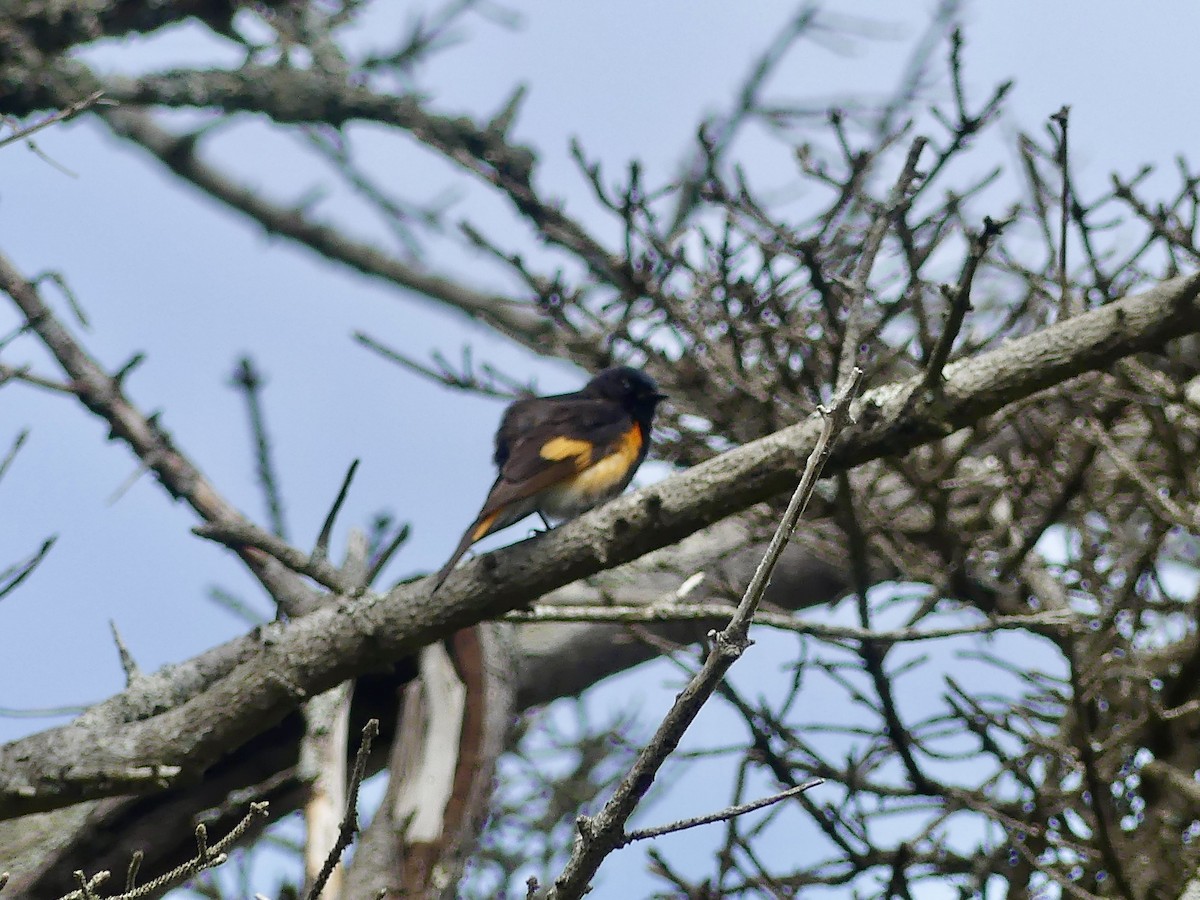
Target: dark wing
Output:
[
  {"x": 569, "y": 436},
  {"x": 524, "y": 415},
  {"x": 518, "y": 418}
]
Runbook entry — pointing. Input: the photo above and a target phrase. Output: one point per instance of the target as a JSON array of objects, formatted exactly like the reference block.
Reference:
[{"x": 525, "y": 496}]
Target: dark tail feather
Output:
[
  {"x": 467, "y": 540},
  {"x": 480, "y": 528}
]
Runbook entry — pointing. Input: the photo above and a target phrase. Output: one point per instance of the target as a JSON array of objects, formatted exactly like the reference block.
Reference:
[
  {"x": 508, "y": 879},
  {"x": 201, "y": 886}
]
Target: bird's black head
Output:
[{"x": 635, "y": 390}]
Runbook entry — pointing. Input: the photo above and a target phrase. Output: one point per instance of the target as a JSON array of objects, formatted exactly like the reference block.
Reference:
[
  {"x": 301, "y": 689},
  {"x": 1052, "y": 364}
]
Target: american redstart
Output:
[{"x": 561, "y": 455}]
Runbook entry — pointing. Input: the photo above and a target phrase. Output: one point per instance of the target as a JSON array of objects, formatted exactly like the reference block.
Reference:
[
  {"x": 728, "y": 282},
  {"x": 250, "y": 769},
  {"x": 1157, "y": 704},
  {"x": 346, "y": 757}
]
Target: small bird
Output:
[{"x": 561, "y": 455}]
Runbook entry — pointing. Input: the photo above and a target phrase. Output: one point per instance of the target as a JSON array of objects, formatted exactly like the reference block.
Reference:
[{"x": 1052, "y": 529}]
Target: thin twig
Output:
[
  {"x": 1056, "y": 620},
  {"x": 131, "y": 874},
  {"x": 206, "y": 857},
  {"x": 1097, "y": 784},
  {"x": 250, "y": 381},
  {"x": 63, "y": 115},
  {"x": 599, "y": 835},
  {"x": 12, "y": 577},
  {"x": 510, "y": 317},
  {"x": 384, "y": 555},
  {"x": 1167, "y": 508},
  {"x": 22, "y": 374},
  {"x": 1061, "y": 118},
  {"x": 18, "y": 442},
  {"x": 322, "y": 767},
  {"x": 239, "y": 535},
  {"x": 321, "y": 548},
  {"x": 237, "y": 606},
  {"x": 960, "y": 303},
  {"x": 60, "y": 281},
  {"x": 350, "y": 822},
  {"x": 729, "y": 812},
  {"x": 719, "y": 132},
  {"x": 128, "y": 664},
  {"x": 852, "y": 333},
  {"x": 445, "y": 377}
]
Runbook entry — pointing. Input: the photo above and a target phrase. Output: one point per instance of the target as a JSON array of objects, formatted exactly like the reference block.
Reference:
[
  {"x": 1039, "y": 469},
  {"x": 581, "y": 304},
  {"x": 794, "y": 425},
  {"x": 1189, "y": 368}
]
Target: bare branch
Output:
[
  {"x": 315, "y": 652},
  {"x": 1060, "y": 119},
  {"x": 853, "y": 331},
  {"x": 206, "y": 857},
  {"x": 63, "y": 115},
  {"x": 349, "y": 826},
  {"x": 128, "y": 663},
  {"x": 599, "y": 835},
  {"x": 250, "y": 381},
  {"x": 11, "y": 577},
  {"x": 1063, "y": 621},
  {"x": 514, "y": 319},
  {"x": 960, "y": 303},
  {"x": 729, "y": 812},
  {"x": 321, "y": 548}
]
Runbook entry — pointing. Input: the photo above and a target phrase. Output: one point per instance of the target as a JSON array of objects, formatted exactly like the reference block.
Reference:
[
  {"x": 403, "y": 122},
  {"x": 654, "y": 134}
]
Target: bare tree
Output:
[{"x": 1016, "y": 476}]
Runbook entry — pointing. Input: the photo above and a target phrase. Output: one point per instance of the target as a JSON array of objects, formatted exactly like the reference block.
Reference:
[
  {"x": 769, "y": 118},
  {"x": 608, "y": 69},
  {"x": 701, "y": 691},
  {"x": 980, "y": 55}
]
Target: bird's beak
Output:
[{"x": 660, "y": 397}]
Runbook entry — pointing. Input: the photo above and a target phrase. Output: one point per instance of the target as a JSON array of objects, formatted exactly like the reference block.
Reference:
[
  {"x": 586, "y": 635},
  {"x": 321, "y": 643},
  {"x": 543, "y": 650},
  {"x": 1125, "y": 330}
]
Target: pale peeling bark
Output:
[
  {"x": 455, "y": 719},
  {"x": 323, "y": 769}
]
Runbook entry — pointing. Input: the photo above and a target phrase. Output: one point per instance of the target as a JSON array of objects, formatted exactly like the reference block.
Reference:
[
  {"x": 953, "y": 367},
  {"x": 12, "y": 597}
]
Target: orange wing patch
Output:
[
  {"x": 561, "y": 448},
  {"x": 484, "y": 527},
  {"x": 602, "y": 478}
]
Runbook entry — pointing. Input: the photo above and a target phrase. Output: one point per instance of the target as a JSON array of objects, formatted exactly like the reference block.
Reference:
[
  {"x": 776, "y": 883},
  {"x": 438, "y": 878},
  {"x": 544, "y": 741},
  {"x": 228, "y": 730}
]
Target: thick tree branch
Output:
[
  {"x": 299, "y": 659},
  {"x": 547, "y": 661},
  {"x": 516, "y": 320},
  {"x": 59, "y": 24},
  {"x": 305, "y": 96},
  {"x": 312, "y": 96}
]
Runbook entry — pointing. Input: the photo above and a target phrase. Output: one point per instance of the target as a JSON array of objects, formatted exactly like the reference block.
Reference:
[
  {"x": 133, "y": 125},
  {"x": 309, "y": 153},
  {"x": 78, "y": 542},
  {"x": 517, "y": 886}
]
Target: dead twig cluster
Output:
[{"x": 1013, "y": 510}]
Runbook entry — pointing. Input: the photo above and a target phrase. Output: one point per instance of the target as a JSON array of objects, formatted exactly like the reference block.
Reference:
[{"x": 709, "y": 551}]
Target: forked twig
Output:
[
  {"x": 63, "y": 115},
  {"x": 960, "y": 303},
  {"x": 12, "y": 577},
  {"x": 321, "y": 548},
  {"x": 722, "y": 815},
  {"x": 350, "y": 821},
  {"x": 603, "y": 833},
  {"x": 207, "y": 857}
]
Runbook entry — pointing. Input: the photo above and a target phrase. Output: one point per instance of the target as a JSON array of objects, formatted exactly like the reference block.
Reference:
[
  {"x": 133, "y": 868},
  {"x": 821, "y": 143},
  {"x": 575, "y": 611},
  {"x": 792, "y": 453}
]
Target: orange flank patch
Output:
[
  {"x": 611, "y": 472},
  {"x": 560, "y": 448},
  {"x": 482, "y": 529}
]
